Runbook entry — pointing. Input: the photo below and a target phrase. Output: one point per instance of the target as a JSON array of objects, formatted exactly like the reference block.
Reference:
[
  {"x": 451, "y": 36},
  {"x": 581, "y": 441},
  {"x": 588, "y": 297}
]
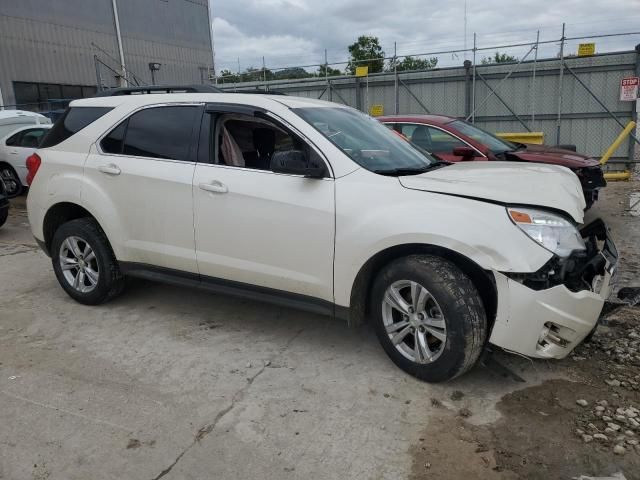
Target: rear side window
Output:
[
  {"x": 32, "y": 138},
  {"x": 71, "y": 122},
  {"x": 14, "y": 140},
  {"x": 158, "y": 132}
]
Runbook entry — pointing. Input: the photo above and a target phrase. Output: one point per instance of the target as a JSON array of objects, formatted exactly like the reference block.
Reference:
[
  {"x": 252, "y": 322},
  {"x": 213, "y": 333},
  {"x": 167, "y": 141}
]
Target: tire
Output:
[
  {"x": 449, "y": 320},
  {"x": 11, "y": 180},
  {"x": 4, "y": 214},
  {"x": 101, "y": 280}
]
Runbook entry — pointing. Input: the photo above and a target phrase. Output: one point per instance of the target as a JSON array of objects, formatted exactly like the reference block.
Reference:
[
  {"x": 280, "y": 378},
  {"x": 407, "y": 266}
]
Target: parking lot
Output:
[{"x": 166, "y": 382}]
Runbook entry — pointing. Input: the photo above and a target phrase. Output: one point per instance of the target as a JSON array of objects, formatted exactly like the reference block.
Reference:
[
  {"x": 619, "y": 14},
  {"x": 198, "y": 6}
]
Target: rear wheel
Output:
[
  {"x": 84, "y": 263},
  {"x": 4, "y": 214},
  {"x": 429, "y": 317},
  {"x": 11, "y": 180}
]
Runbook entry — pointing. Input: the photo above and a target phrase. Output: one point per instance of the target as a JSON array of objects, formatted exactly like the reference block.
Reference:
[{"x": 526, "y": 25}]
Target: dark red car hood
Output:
[{"x": 556, "y": 156}]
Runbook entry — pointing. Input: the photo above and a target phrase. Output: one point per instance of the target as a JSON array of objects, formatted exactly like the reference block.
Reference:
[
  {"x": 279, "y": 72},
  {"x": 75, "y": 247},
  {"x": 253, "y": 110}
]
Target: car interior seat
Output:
[{"x": 422, "y": 138}]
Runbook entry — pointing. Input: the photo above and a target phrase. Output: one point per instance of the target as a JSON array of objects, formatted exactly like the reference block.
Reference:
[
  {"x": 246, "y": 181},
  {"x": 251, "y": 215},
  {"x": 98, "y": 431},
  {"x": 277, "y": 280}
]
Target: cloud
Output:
[{"x": 296, "y": 32}]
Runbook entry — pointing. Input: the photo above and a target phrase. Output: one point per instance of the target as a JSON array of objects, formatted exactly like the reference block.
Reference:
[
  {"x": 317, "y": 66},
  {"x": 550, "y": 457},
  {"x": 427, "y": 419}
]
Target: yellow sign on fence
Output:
[
  {"x": 376, "y": 110},
  {"x": 586, "y": 49},
  {"x": 362, "y": 71}
]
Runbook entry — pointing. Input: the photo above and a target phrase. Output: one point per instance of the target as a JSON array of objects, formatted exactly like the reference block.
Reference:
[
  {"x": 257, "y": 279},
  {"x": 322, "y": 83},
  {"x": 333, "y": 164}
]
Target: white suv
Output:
[{"x": 316, "y": 206}]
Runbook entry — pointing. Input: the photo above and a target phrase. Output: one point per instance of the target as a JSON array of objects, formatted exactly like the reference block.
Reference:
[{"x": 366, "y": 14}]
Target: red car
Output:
[{"x": 455, "y": 140}]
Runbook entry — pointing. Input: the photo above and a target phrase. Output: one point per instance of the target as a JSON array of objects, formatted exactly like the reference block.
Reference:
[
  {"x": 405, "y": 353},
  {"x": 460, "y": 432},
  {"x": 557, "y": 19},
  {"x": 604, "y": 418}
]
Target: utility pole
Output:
[
  {"x": 211, "y": 36},
  {"x": 123, "y": 79}
]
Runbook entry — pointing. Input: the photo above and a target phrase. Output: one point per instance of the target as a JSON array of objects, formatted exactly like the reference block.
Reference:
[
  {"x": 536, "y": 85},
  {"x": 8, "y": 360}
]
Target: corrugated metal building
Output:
[{"x": 48, "y": 47}]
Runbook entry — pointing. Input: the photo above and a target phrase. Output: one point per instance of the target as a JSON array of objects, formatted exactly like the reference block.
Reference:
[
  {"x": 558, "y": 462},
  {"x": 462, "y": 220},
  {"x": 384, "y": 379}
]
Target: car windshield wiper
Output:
[{"x": 412, "y": 170}]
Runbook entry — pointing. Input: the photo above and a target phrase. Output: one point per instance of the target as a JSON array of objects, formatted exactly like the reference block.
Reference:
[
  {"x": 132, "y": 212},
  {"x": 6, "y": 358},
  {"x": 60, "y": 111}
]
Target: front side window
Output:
[
  {"x": 495, "y": 144},
  {"x": 158, "y": 132},
  {"x": 366, "y": 141},
  {"x": 248, "y": 141},
  {"x": 433, "y": 139}
]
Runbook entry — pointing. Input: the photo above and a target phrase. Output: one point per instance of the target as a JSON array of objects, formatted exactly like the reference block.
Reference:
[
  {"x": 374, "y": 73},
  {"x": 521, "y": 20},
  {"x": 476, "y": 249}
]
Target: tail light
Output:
[{"x": 33, "y": 164}]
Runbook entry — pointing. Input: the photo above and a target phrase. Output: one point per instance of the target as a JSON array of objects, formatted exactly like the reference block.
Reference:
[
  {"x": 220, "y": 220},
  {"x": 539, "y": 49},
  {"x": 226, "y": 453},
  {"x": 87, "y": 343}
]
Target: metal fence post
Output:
[
  {"x": 467, "y": 88},
  {"x": 358, "y": 94},
  {"x": 396, "y": 90},
  {"x": 473, "y": 91},
  {"x": 533, "y": 82},
  {"x": 559, "y": 119},
  {"x": 634, "y": 116}
]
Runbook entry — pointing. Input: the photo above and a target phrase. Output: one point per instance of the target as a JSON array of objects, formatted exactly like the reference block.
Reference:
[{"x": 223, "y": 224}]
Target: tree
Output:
[
  {"x": 498, "y": 58},
  {"x": 293, "y": 72},
  {"x": 366, "y": 52},
  {"x": 411, "y": 63},
  {"x": 229, "y": 76},
  {"x": 327, "y": 71}
]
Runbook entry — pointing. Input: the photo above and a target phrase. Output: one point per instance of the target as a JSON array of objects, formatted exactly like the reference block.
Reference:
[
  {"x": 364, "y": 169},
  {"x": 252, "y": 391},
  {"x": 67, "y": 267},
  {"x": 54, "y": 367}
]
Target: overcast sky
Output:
[{"x": 296, "y": 32}]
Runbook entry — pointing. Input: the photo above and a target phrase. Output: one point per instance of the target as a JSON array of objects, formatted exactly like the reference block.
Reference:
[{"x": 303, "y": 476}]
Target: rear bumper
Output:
[{"x": 551, "y": 322}]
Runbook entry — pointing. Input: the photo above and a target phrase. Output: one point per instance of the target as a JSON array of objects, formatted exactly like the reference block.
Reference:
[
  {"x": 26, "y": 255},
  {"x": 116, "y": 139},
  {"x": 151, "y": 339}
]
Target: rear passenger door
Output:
[{"x": 143, "y": 169}]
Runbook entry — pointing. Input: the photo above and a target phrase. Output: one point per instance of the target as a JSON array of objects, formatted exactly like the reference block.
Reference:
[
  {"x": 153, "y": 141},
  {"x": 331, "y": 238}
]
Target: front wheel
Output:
[
  {"x": 429, "y": 317},
  {"x": 84, "y": 263}
]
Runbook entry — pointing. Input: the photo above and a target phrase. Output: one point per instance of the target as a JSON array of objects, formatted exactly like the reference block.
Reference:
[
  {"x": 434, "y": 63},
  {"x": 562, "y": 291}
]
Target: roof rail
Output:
[{"x": 113, "y": 92}]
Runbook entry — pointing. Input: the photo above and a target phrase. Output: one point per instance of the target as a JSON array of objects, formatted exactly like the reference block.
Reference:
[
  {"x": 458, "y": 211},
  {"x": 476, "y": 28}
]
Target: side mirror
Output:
[
  {"x": 467, "y": 153},
  {"x": 296, "y": 162}
]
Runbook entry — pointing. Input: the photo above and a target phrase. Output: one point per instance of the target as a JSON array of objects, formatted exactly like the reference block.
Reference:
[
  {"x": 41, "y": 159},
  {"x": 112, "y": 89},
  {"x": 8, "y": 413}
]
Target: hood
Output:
[
  {"x": 534, "y": 185},
  {"x": 556, "y": 156}
]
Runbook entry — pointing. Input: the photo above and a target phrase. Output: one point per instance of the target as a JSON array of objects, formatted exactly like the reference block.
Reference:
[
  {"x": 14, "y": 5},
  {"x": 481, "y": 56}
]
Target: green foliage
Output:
[
  {"x": 366, "y": 51},
  {"x": 409, "y": 63},
  {"x": 326, "y": 70},
  {"x": 498, "y": 58}
]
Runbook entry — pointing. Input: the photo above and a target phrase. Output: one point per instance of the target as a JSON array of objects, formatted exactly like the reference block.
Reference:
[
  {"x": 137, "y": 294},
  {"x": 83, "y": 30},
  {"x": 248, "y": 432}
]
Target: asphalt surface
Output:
[{"x": 166, "y": 382}]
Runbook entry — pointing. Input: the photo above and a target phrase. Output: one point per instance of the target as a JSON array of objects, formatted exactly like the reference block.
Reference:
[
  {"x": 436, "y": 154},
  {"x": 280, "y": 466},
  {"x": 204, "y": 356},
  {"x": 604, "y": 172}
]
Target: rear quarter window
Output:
[{"x": 71, "y": 122}]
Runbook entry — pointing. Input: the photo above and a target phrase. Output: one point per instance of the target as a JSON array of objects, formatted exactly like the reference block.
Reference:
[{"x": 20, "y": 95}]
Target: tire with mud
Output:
[
  {"x": 429, "y": 317},
  {"x": 84, "y": 262}
]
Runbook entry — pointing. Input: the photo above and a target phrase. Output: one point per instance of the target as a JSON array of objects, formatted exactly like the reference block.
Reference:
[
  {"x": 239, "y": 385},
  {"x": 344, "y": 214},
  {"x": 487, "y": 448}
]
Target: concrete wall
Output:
[{"x": 50, "y": 41}]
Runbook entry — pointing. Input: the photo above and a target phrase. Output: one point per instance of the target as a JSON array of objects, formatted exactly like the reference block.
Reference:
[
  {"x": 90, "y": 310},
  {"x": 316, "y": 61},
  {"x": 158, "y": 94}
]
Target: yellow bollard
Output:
[
  {"x": 614, "y": 146},
  {"x": 609, "y": 176}
]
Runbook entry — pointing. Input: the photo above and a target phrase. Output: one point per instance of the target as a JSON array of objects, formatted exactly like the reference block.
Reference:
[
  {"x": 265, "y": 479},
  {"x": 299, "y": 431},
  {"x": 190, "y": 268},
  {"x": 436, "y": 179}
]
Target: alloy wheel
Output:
[
  {"x": 414, "y": 321},
  {"x": 79, "y": 264},
  {"x": 11, "y": 181}
]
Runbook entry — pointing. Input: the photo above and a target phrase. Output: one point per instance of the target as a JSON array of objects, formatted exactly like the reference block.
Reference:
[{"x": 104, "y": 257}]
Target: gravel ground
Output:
[{"x": 172, "y": 383}]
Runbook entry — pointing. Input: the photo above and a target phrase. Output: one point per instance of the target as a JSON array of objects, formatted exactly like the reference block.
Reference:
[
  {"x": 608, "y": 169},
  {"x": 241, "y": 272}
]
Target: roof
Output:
[
  {"x": 431, "y": 119},
  {"x": 238, "y": 98},
  {"x": 6, "y": 114}
]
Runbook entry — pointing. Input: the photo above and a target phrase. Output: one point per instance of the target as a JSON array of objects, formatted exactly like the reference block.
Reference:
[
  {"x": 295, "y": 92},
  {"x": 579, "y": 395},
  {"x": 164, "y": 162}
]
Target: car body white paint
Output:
[
  {"x": 16, "y": 156},
  {"x": 312, "y": 236}
]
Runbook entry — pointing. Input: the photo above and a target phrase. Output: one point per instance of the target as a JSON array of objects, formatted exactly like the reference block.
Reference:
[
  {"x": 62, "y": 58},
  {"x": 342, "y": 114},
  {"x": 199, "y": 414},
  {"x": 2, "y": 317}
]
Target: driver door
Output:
[{"x": 254, "y": 226}]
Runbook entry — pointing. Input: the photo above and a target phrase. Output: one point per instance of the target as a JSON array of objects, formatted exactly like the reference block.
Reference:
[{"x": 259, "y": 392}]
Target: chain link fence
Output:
[{"x": 557, "y": 87}]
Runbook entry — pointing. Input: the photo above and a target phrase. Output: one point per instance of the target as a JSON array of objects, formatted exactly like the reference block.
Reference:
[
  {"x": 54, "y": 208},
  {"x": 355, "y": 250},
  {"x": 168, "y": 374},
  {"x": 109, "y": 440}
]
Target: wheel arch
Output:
[
  {"x": 361, "y": 288},
  {"x": 59, "y": 214}
]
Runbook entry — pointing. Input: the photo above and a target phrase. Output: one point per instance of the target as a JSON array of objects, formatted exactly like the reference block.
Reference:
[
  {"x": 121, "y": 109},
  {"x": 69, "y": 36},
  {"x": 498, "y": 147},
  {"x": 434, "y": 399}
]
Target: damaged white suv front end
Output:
[{"x": 547, "y": 313}]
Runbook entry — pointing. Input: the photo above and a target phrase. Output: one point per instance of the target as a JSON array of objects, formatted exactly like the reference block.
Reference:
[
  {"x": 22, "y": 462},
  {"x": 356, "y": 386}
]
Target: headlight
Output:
[{"x": 551, "y": 231}]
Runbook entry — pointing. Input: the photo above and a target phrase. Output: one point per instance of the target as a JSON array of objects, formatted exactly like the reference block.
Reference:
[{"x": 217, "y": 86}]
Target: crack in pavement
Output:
[{"x": 237, "y": 397}]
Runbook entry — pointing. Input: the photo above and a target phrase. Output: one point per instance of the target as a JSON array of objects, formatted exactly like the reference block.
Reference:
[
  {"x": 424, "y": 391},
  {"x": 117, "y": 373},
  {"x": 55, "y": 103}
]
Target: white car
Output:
[
  {"x": 15, "y": 147},
  {"x": 314, "y": 205}
]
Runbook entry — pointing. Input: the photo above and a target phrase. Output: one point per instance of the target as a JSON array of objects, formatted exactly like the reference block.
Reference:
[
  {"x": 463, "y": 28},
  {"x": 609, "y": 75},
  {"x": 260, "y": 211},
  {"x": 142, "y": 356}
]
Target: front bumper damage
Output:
[{"x": 548, "y": 313}]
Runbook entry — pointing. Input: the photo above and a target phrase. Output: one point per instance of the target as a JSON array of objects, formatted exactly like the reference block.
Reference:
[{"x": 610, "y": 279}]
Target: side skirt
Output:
[{"x": 235, "y": 289}]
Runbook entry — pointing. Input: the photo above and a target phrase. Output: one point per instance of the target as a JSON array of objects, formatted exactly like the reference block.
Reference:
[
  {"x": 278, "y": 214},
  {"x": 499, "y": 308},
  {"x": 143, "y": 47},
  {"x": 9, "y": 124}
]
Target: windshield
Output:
[
  {"x": 495, "y": 144},
  {"x": 368, "y": 142}
]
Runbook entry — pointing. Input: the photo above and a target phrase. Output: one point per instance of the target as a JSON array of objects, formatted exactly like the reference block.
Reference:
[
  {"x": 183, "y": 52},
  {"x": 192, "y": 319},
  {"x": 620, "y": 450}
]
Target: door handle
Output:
[
  {"x": 13, "y": 152},
  {"x": 215, "y": 187},
  {"x": 110, "y": 169}
]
